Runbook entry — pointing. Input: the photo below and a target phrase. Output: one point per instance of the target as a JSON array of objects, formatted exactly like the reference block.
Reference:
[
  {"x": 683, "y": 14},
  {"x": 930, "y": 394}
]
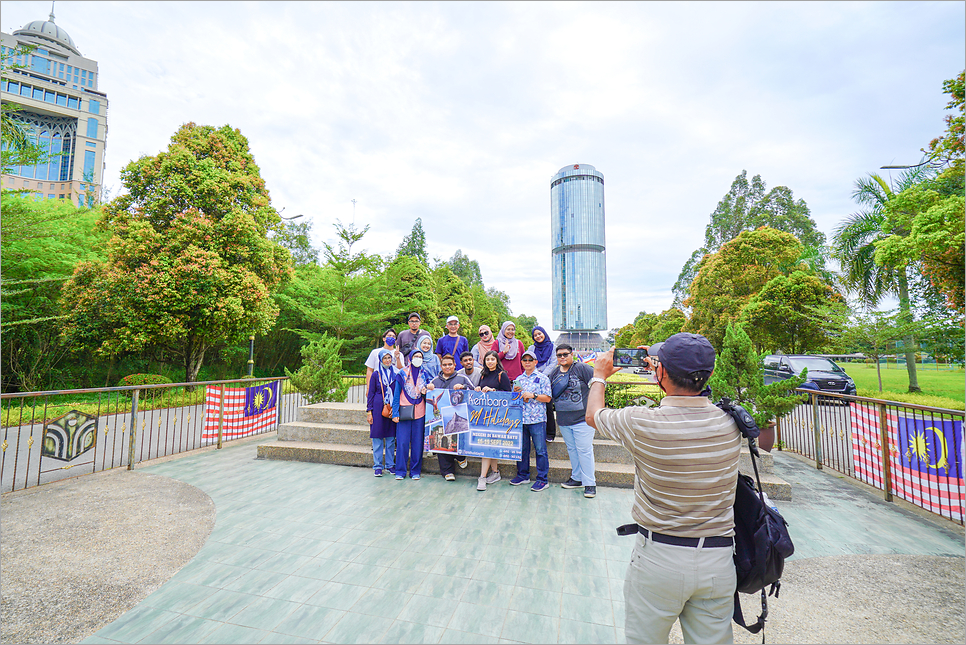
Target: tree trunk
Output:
[
  {"x": 194, "y": 356},
  {"x": 909, "y": 341}
]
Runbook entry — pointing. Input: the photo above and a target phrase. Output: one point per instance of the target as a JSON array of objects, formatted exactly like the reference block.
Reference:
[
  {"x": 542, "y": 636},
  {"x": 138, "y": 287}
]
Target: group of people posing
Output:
[{"x": 410, "y": 364}]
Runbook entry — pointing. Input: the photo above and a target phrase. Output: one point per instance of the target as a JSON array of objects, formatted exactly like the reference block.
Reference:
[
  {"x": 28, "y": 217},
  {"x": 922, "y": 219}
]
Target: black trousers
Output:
[{"x": 447, "y": 464}]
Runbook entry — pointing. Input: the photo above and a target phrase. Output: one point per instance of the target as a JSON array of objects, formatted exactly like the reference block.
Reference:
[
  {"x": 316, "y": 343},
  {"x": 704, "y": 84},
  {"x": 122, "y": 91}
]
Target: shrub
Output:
[
  {"x": 320, "y": 377},
  {"x": 143, "y": 379}
]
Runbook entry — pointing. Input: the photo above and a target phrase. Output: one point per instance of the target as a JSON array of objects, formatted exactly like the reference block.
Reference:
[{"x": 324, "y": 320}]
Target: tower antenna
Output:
[{"x": 353, "y": 212}]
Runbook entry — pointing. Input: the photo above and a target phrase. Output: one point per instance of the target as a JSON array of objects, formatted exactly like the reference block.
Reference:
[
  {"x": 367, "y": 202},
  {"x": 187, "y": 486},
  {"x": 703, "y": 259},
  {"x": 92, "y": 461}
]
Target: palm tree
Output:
[{"x": 854, "y": 244}]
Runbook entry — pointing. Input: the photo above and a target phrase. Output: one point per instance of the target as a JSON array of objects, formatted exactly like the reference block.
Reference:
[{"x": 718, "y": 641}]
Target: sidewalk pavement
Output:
[{"x": 305, "y": 553}]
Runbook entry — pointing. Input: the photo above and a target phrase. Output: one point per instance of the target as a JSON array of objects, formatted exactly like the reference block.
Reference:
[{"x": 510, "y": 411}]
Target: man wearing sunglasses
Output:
[{"x": 570, "y": 384}]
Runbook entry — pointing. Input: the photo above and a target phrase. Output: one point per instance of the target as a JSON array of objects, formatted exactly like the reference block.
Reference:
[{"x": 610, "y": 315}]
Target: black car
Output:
[{"x": 823, "y": 374}]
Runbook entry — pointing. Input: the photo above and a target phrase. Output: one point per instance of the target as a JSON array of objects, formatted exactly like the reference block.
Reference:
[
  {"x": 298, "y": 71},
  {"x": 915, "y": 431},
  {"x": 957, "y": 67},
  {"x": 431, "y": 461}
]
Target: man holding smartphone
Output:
[{"x": 686, "y": 469}]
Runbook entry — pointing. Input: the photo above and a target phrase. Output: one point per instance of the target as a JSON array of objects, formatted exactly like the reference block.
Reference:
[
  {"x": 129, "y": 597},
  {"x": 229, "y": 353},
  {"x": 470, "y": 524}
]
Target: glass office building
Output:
[{"x": 578, "y": 253}]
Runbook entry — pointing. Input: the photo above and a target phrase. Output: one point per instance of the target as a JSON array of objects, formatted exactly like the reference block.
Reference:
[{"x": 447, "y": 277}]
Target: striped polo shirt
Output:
[{"x": 686, "y": 461}]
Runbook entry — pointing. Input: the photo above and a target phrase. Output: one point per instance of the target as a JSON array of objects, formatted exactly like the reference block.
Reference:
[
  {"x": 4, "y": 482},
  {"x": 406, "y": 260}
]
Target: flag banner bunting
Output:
[
  {"x": 924, "y": 457},
  {"x": 589, "y": 358},
  {"x": 247, "y": 411}
]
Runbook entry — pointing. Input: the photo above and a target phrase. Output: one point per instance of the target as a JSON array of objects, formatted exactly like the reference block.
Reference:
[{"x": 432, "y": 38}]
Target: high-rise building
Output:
[
  {"x": 56, "y": 88},
  {"x": 578, "y": 256}
]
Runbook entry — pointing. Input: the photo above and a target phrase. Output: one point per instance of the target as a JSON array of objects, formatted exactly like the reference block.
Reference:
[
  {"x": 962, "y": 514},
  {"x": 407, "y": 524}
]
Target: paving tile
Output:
[
  {"x": 176, "y": 596},
  {"x": 337, "y": 595},
  {"x": 381, "y": 602},
  {"x": 377, "y": 555},
  {"x": 306, "y": 546},
  {"x": 183, "y": 629},
  {"x": 428, "y": 611},
  {"x": 500, "y": 572},
  {"x": 136, "y": 624},
  {"x": 213, "y": 574},
  {"x": 96, "y": 640},
  {"x": 309, "y": 621},
  {"x": 572, "y": 631},
  {"x": 400, "y": 580},
  {"x": 459, "y": 567},
  {"x": 540, "y": 579},
  {"x": 536, "y": 601},
  {"x": 405, "y": 632},
  {"x": 359, "y": 574},
  {"x": 587, "y": 610},
  {"x": 591, "y": 586},
  {"x": 321, "y": 568},
  {"x": 221, "y": 605},
  {"x": 359, "y": 628},
  {"x": 256, "y": 581},
  {"x": 457, "y": 636},
  {"x": 296, "y": 589},
  {"x": 480, "y": 592},
  {"x": 283, "y": 562},
  {"x": 233, "y": 634},
  {"x": 478, "y": 619},
  {"x": 530, "y": 628},
  {"x": 439, "y": 586},
  {"x": 264, "y": 613},
  {"x": 342, "y": 551},
  {"x": 286, "y": 639}
]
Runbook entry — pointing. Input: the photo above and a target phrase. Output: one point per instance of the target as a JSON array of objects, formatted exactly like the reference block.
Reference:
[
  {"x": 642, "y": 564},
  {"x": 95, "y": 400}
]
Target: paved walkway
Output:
[{"x": 317, "y": 553}]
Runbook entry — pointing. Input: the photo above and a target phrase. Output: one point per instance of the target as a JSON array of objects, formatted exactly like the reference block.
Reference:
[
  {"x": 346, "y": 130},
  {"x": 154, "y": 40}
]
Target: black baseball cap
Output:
[
  {"x": 414, "y": 314},
  {"x": 685, "y": 355}
]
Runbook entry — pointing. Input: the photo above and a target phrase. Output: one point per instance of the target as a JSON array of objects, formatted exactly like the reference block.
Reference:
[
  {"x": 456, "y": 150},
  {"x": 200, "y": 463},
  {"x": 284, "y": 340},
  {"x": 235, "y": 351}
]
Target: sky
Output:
[{"x": 459, "y": 113}]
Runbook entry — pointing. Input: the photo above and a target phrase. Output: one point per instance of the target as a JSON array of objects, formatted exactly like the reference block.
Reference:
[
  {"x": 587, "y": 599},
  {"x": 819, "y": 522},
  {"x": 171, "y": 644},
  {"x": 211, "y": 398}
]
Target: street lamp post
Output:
[{"x": 251, "y": 354}]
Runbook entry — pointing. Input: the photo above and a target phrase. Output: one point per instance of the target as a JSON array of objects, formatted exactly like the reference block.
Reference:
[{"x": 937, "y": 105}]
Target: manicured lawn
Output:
[{"x": 940, "y": 388}]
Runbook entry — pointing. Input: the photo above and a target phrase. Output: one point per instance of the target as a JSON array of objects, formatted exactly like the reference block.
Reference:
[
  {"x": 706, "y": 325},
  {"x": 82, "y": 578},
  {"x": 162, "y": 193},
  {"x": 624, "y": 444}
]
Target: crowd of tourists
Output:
[{"x": 552, "y": 385}]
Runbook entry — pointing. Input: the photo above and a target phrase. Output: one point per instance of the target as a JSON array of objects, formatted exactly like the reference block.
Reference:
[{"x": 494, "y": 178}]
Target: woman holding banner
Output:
[
  {"x": 409, "y": 415},
  {"x": 493, "y": 379}
]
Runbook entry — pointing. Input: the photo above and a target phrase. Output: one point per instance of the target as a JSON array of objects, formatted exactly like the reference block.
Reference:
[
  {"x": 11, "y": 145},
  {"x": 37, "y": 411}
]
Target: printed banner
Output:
[
  {"x": 446, "y": 417},
  {"x": 247, "y": 410},
  {"x": 926, "y": 465}
]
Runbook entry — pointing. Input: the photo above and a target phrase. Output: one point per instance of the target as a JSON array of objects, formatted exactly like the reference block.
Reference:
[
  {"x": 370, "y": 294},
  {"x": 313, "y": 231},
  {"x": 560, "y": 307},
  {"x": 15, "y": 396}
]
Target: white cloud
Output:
[{"x": 459, "y": 113}]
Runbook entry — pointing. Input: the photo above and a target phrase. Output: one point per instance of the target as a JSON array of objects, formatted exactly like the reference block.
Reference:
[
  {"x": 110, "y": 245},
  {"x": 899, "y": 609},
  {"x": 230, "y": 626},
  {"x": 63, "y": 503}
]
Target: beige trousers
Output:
[{"x": 665, "y": 583}]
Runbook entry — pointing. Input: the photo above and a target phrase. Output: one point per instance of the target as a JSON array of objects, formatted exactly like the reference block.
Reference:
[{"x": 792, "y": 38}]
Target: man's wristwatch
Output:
[{"x": 597, "y": 379}]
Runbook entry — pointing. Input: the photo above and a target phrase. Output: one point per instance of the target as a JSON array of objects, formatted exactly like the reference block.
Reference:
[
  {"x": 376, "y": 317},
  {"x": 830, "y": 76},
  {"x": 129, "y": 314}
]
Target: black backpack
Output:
[{"x": 762, "y": 541}]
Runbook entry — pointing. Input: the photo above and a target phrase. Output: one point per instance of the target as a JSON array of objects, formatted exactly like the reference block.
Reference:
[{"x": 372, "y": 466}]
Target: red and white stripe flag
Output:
[
  {"x": 247, "y": 411},
  {"x": 926, "y": 469}
]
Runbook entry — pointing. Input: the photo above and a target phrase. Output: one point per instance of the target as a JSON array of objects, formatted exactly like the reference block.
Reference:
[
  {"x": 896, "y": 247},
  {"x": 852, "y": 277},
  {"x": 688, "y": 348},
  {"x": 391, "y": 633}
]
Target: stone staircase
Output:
[{"x": 337, "y": 433}]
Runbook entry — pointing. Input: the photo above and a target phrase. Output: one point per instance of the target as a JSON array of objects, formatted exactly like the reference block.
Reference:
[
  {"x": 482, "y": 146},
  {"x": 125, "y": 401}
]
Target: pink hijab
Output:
[{"x": 501, "y": 339}]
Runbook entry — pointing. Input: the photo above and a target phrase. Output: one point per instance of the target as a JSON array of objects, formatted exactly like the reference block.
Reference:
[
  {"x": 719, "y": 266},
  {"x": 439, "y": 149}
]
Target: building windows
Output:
[
  {"x": 92, "y": 128},
  {"x": 38, "y": 93},
  {"x": 89, "y": 158},
  {"x": 94, "y": 107},
  {"x": 91, "y": 144},
  {"x": 62, "y": 100},
  {"x": 73, "y": 103}
]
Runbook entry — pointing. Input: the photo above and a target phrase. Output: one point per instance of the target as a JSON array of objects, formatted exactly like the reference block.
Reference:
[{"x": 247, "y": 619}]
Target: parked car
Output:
[{"x": 823, "y": 373}]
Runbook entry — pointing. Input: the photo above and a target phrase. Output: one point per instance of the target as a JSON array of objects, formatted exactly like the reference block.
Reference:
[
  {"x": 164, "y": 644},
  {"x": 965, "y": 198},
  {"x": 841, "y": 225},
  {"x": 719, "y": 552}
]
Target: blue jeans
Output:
[
  {"x": 537, "y": 432},
  {"x": 409, "y": 443},
  {"x": 383, "y": 453},
  {"x": 580, "y": 447}
]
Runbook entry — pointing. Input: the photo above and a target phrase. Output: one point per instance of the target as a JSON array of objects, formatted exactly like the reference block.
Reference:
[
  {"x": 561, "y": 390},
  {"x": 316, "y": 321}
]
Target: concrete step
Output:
[
  {"x": 766, "y": 464},
  {"x": 605, "y": 450},
  {"x": 341, "y": 413}
]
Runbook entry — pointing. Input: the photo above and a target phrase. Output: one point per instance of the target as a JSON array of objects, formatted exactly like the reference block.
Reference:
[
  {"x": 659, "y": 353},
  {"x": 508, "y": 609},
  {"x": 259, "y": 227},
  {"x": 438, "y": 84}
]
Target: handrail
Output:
[
  {"x": 866, "y": 399},
  {"x": 125, "y": 388}
]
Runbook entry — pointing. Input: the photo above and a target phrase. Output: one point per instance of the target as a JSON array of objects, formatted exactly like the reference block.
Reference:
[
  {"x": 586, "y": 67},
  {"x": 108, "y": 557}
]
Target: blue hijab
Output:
[
  {"x": 544, "y": 350},
  {"x": 386, "y": 374}
]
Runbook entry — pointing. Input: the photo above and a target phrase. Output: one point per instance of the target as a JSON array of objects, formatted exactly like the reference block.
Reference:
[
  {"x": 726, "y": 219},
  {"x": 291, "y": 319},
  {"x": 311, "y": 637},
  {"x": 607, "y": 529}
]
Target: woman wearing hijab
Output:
[
  {"x": 382, "y": 431},
  {"x": 408, "y": 413},
  {"x": 431, "y": 365},
  {"x": 546, "y": 360},
  {"x": 510, "y": 350},
  {"x": 543, "y": 348},
  {"x": 493, "y": 379},
  {"x": 487, "y": 342}
]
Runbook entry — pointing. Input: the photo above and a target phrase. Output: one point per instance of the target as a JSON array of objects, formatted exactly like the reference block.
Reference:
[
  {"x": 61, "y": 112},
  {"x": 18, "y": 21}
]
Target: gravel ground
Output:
[
  {"x": 862, "y": 599},
  {"x": 79, "y": 553}
]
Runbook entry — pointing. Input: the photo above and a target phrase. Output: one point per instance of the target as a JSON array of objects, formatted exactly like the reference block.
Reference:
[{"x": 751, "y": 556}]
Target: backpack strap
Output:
[{"x": 758, "y": 626}]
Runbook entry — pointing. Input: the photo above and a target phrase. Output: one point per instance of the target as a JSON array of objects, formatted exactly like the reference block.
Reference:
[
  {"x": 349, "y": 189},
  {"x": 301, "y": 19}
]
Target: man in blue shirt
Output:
[
  {"x": 452, "y": 343},
  {"x": 534, "y": 387}
]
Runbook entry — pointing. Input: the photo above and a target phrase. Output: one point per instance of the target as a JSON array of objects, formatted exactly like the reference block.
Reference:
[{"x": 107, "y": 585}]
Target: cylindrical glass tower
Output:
[{"x": 578, "y": 254}]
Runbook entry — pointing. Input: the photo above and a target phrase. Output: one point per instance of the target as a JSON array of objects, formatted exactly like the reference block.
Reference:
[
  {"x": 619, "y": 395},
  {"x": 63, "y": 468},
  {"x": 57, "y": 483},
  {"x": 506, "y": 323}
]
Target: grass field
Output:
[{"x": 943, "y": 388}]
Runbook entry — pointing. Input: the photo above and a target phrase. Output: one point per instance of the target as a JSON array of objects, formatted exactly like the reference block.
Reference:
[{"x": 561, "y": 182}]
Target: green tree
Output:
[
  {"x": 42, "y": 243},
  {"x": 856, "y": 239},
  {"x": 295, "y": 237},
  {"x": 873, "y": 332},
  {"x": 782, "y": 316},
  {"x": 747, "y": 207},
  {"x": 453, "y": 298},
  {"x": 414, "y": 244},
  {"x": 950, "y": 148},
  {"x": 189, "y": 265},
  {"x": 669, "y": 322},
  {"x": 738, "y": 375},
  {"x": 410, "y": 287},
  {"x": 729, "y": 278},
  {"x": 465, "y": 269},
  {"x": 320, "y": 376},
  {"x": 19, "y": 140}
]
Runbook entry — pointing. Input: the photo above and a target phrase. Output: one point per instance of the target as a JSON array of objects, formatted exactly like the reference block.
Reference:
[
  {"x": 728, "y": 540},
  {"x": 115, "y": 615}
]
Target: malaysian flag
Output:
[
  {"x": 924, "y": 457},
  {"x": 247, "y": 411}
]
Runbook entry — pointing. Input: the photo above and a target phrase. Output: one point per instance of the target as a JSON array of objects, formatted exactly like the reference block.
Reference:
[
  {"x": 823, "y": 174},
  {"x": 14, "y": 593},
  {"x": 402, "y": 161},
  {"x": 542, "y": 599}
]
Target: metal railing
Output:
[
  {"x": 48, "y": 436},
  {"x": 909, "y": 451}
]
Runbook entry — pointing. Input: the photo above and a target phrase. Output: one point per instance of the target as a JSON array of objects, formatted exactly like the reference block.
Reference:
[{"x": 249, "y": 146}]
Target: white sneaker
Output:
[
  {"x": 481, "y": 483},
  {"x": 450, "y": 477},
  {"x": 493, "y": 478}
]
